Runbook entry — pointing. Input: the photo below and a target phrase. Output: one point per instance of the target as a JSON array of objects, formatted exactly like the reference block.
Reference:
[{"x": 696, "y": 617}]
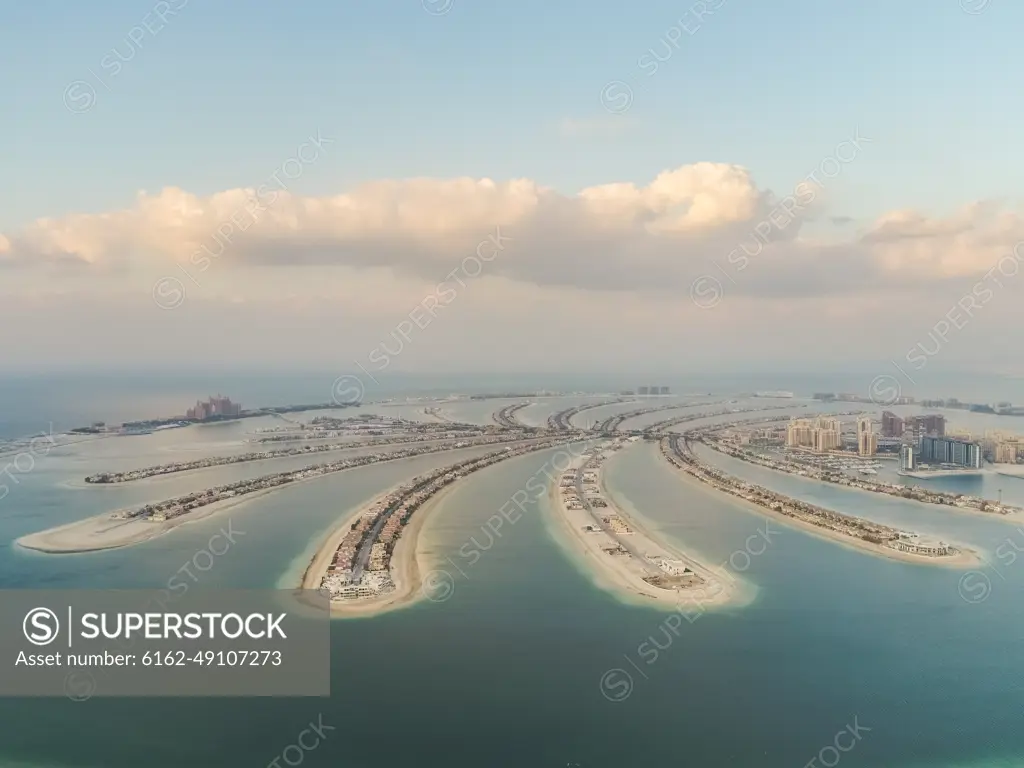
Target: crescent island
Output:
[
  {"x": 125, "y": 527},
  {"x": 622, "y": 556},
  {"x": 369, "y": 563},
  {"x": 863, "y": 534}
]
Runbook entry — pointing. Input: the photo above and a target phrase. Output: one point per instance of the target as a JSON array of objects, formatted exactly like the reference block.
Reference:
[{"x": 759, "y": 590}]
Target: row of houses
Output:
[
  {"x": 378, "y": 557},
  {"x": 345, "y": 555}
]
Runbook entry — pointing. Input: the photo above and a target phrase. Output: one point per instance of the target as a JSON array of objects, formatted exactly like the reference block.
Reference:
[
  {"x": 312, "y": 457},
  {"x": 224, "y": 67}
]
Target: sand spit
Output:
[
  {"x": 101, "y": 532},
  {"x": 963, "y": 559},
  {"x": 407, "y": 563},
  {"x": 624, "y": 563},
  {"x": 345, "y": 573}
]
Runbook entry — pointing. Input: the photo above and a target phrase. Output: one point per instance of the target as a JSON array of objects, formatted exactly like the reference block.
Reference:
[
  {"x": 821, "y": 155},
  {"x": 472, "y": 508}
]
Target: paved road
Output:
[{"x": 363, "y": 555}]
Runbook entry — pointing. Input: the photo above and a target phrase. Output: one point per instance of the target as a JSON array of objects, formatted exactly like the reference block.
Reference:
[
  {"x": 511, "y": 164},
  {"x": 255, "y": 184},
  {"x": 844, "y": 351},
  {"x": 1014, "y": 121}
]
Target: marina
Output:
[{"x": 733, "y": 440}]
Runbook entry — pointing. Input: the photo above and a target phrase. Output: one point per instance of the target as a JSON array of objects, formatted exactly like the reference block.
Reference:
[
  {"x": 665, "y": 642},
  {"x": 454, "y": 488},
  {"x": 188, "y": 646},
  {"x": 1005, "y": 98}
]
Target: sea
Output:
[{"x": 842, "y": 656}]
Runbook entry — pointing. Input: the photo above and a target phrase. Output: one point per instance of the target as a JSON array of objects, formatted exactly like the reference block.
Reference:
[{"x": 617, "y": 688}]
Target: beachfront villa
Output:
[
  {"x": 672, "y": 567},
  {"x": 617, "y": 524},
  {"x": 918, "y": 546},
  {"x": 372, "y": 583}
]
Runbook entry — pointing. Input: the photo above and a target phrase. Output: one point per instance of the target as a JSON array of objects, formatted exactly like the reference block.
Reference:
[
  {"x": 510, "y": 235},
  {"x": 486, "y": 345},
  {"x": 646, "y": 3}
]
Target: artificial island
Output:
[{"x": 368, "y": 562}]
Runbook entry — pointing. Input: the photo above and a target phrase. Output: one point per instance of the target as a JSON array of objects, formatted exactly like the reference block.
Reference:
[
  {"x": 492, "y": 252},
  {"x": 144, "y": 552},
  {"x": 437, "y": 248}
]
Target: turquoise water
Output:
[{"x": 509, "y": 670}]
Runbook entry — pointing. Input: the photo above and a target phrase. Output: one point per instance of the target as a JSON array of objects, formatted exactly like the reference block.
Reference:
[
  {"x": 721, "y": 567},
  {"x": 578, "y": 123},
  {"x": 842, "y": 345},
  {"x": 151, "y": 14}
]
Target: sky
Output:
[{"x": 449, "y": 184}]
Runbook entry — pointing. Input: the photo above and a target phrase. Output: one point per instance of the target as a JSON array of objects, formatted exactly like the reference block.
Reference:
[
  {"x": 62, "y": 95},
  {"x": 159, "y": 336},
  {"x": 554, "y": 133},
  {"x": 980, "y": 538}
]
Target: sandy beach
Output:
[
  {"x": 197, "y": 471},
  {"x": 1014, "y": 518},
  {"x": 408, "y": 564},
  {"x": 411, "y": 562},
  {"x": 623, "y": 575},
  {"x": 101, "y": 532},
  {"x": 964, "y": 559}
]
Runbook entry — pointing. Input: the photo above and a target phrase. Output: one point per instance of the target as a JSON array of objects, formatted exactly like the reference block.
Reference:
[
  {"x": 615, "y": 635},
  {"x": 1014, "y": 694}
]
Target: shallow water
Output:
[{"x": 518, "y": 667}]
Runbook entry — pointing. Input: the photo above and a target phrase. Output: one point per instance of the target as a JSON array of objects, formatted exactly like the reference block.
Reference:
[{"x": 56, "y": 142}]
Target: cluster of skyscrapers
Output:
[
  {"x": 932, "y": 425},
  {"x": 925, "y": 441},
  {"x": 215, "y": 406},
  {"x": 919, "y": 439},
  {"x": 948, "y": 450},
  {"x": 821, "y": 434},
  {"x": 1007, "y": 450}
]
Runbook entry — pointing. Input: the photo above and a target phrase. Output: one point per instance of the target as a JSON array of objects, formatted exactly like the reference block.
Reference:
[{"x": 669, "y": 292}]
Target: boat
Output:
[{"x": 868, "y": 471}]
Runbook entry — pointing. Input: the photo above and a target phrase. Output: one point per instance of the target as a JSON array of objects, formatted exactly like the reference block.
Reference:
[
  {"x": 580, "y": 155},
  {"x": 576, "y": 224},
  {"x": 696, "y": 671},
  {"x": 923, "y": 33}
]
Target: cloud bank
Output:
[
  {"x": 616, "y": 236},
  {"x": 379, "y": 248}
]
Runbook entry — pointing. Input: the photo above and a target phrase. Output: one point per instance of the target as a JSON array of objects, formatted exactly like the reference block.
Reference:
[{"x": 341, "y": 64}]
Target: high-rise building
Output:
[
  {"x": 867, "y": 440},
  {"x": 827, "y": 422},
  {"x": 642, "y": 390},
  {"x": 867, "y": 443},
  {"x": 827, "y": 434},
  {"x": 907, "y": 463},
  {"x": 665, "y": 390},
  {"x": 215, "y": 406},
  {"x": 892, "y": 425},
  {"x": 930, "y": 425},
  {"x": 945, "y": 450},
  {"x": 799, "y": 433},
  {"x": 1006, "y": 453},
  {"x": 827, "y": 440}
]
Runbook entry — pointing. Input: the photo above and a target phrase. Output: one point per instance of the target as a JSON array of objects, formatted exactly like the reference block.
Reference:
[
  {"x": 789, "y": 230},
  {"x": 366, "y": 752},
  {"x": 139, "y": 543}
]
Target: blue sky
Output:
[
  {"x": 748, "y": 100},
  {"x": 214, "y": 98}
]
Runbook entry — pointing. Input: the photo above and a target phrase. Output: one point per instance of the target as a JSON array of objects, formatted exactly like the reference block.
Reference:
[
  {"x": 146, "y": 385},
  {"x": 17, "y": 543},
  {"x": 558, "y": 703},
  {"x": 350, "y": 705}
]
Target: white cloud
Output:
[
  {"x": 618, "y": 236},
  {"x": 363, "y": 259}
]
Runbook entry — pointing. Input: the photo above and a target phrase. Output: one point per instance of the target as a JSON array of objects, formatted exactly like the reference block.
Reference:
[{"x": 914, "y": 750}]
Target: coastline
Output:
[
  {"x": 938, "y": 474},
  {"x": 170, "y": 476},
  {"x": 97, "y": 532},
  {"x": 74, "y": 538},
  {"x": 409, "y": 561},
  {"x": 615, "y": 575},
  {"x": 1014, "y": 518},
  {"x": 964, "y": 559},
  {"x": 404, "y": 566}
]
